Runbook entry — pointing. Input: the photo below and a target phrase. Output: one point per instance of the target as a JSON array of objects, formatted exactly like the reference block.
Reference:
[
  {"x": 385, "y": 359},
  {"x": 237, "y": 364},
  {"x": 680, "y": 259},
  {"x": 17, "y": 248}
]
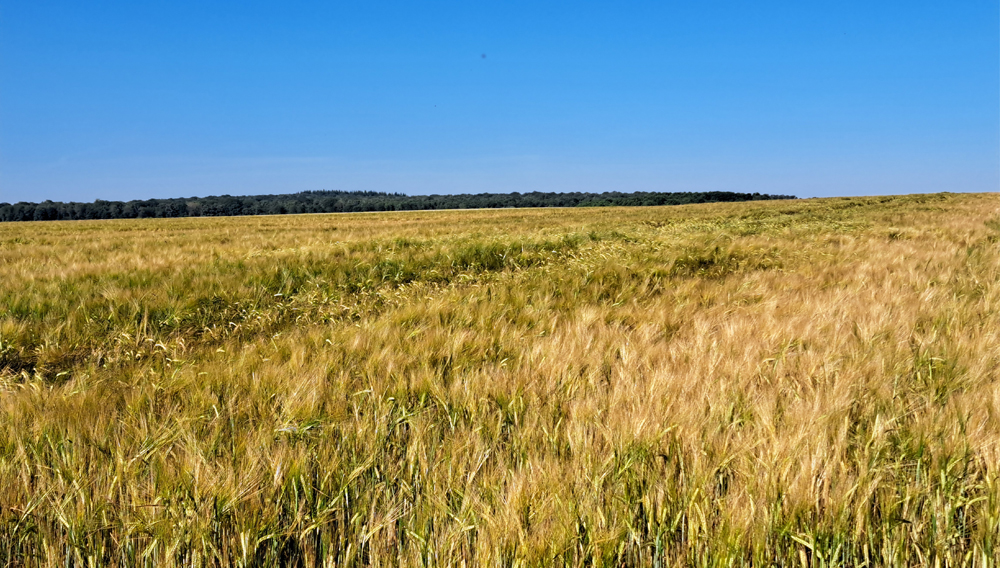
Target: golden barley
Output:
[{"x": 807, "y": 383}]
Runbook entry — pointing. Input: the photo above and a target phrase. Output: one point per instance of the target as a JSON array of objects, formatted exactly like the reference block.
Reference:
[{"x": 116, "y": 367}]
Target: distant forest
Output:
[{"x": 344, "y": 201}]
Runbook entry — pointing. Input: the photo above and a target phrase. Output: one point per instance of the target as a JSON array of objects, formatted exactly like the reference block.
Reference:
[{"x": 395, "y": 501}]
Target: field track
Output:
[{"x": 800, "y": 383}]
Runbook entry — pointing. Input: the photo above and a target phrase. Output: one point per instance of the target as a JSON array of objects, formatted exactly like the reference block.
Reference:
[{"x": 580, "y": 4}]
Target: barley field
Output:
[{"x": 792, "y": 383}]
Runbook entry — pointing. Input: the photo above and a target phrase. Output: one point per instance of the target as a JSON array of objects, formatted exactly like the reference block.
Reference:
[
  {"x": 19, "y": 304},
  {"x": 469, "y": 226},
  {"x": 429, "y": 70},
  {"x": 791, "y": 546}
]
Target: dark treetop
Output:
[{"x": 344, "y": 201}]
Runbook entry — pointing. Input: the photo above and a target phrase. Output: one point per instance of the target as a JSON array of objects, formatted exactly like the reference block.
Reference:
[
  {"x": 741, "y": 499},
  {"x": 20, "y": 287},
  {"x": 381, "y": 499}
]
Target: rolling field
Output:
[{"x": 794, "y": 383}]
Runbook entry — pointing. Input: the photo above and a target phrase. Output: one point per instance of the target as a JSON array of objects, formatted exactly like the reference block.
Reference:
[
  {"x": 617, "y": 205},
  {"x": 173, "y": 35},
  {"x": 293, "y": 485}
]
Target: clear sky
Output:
[{"x": 129, "y": 100}]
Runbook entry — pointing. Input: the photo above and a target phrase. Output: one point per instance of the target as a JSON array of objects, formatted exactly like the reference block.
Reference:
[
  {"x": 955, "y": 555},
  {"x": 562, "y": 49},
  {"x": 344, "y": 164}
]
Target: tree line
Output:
[{"x": 348, "y": 201}]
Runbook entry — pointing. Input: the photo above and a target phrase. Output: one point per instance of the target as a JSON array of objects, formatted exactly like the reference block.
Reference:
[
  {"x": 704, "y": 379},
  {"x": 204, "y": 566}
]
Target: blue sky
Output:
[{"x": 129, "y": 100}]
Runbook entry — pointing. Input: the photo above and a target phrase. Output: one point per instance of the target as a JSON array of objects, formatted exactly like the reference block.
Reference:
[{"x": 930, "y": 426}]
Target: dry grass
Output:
[{"x": 794, "y": 383}]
